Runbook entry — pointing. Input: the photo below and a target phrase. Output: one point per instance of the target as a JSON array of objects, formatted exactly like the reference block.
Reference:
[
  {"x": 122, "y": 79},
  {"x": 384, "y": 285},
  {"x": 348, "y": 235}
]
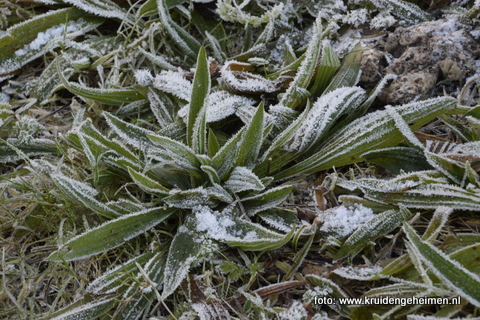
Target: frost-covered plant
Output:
[{"x": 188, "y": 165}]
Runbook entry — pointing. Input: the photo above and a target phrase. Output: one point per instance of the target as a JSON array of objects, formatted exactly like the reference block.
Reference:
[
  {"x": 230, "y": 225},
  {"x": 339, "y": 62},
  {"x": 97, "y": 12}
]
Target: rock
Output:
[{"x": 421, "y": 56}]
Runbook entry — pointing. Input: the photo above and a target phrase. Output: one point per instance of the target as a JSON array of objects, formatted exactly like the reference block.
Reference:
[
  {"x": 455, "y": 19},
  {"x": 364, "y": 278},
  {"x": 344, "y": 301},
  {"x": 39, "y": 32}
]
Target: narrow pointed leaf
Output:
[
  {"x": 110, "y": 234},
  {"x": 82, "y": 193},
  {"x": 349, "y": 72},
  {"x": 196, "y": 123},
  {"x": 293, "y": 97},
  {"x": 266, "y": 200},
  {"x": 398, "y": 159},
  {"x": 373, "y": 131},
  {"x": 377, "y": 227},
  {"x": 147, "y": 184},
  {"x": 242, "y": 179},
  {"x": 186, "y": 42},
  {"x": 182, "y": 154},
  {"x": 132, "y": 134},
  {"x": 86, "y": 308},
  {"x": 184, "y": 251},
  {"x": 117, "y": 277},
  {"x": 250, "y": 144},
  {"x": 452, "y": 274}
]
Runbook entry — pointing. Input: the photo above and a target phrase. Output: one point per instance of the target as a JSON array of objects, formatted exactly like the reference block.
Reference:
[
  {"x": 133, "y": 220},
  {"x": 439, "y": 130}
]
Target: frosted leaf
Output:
[
  {"x": 83, "y": 194},
  {"x": 242, "y": 179},
  {"x": 375, "y": 130},
  {"x": 407, "y": 11},
  {"x": 362, "y": 273},
  {"x": 244, "y": 81},
  {"x": 160, "y": 109},
  {"x": 282, "y": 220},
  {"x": 403, "y": 127},
  {"x": 143, "y": 77},
  {"x": 326, "y": 110},
  {"x": 342, "y": 221},
  {"x": 184, "y": 251},
  {"x": 228, "y": 10},
  {"x": 223, "y": 104},
  {"x": 114, "y": 278},
  {"x": 104, "y": 8},
  {"x": 450, "y": 272},
  {"x": 25, "y": 128},
  {"x": 189, "y": 199},
  {"x": 266, "y": 200},
  {"x": 226, "y": 227},
  {"x": 90, "y": 310},
  {"x": 192, "y": 198},
  {"x": 45, "y": 42},
  {"x": 174, "y": 83},
  {"x": 157, "y": 60}
]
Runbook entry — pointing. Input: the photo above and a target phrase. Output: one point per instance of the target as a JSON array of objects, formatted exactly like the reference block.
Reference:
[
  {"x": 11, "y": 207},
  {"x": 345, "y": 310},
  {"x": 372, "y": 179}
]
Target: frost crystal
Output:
[{"x": 343, "y": 221}]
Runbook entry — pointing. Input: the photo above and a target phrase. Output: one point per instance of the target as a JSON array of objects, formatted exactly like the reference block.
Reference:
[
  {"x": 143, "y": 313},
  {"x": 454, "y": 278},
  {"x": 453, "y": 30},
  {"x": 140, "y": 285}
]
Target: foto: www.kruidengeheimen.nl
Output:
[{"x": 403, "y": 301}]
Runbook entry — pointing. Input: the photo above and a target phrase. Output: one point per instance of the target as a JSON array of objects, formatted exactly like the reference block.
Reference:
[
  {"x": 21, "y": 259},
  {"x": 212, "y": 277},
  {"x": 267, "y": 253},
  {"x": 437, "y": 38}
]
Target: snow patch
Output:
[{"x": 343, "y": 220}]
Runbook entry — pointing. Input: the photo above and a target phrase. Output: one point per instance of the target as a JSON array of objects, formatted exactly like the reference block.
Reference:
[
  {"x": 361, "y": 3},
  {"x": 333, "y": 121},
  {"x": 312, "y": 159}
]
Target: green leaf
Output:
[
  {"x": 186, "y": 42},
  {"x": 428, "y": 196},
  {"x": 251, "y": 142},
  {"x": 404, "y": 10},
  {"x": 112, "y": 280},
  {"x": 266, "y": 200},
  {"x": 450, "y": 272},
  {"x": 86, "y": 308},
  {"x": 349, "y": 72},
  {"x": 280, "y": 219},
  {"x": 130, "y": 133},
  {"x": 329, "y": 64},
  {"x": 110, "y": 234},
  {"x": 147, "y": 184},
  {"x": 254, "y": 237},
  {"x": 455, "y": 170},
  {"x": 88, "y": 130},
  {"x": 377, "y": 227},
  {"x": 294, "y": 96},
  {"x": 224, "y": 160},
  {"x": 83, "y": 194},
  {"x": 104, "y": 8},
  {"x": 189, "y": 199},
  {"x": 212, "y": 144},
  {"x": 374, "y": 131},
  {"x": 28, "y": 30},
  {"x": 107, "y": 96},
  {"x": 183, "y": 156},
  {"x": 196, "y": 121},
  {"x": 398, "y": 159},
  {"x": 242, "y": 179},
  {"x": 184, "y": 251},
  {"x": 15, "y": 149}
]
